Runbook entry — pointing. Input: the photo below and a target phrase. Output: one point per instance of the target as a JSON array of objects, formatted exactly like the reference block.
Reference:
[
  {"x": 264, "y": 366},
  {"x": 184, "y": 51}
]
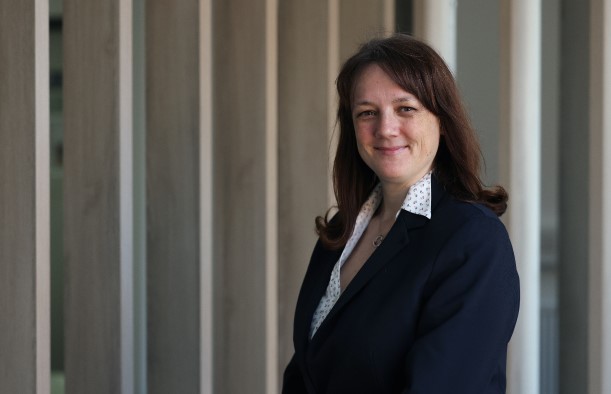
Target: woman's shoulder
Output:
[
  {"x": 471, "y": 239},
  {"x": 463, "y": 225},
  {"x": 451, "y": 209}
]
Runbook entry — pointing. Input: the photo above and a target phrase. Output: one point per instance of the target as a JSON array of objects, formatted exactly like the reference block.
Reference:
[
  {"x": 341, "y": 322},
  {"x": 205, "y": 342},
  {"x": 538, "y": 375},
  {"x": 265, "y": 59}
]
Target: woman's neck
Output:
[{"x": 392, "y": 199}]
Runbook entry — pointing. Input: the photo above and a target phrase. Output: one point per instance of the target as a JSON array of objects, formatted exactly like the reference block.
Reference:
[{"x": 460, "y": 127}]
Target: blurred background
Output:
[{"x": 189, "y": 148}]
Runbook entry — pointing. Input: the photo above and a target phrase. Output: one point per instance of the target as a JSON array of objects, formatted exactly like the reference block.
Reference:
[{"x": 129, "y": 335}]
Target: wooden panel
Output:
[
  {"x": 361, "y": 20},
  {"x": 24, "y": 197},
  {"x": 173, "y": 193},
  {"x": 98, "y": 197},
  {"x": 304, "y": 80},
  {"x": 244, "y": 196}
]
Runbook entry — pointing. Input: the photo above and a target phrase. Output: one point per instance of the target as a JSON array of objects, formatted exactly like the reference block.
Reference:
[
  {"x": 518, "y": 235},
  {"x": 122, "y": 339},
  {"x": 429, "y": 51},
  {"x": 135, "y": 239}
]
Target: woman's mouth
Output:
[{"x": 389, "y": 150}]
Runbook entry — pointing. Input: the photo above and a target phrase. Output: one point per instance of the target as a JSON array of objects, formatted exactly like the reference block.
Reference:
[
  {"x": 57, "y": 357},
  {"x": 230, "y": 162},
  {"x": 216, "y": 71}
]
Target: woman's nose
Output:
[{"x": 388, "y": 125}]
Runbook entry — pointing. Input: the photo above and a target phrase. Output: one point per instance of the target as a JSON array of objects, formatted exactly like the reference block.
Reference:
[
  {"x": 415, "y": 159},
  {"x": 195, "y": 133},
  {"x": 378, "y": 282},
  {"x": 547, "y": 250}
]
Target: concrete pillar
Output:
[
  {"x": 98, "y": 214},
  {"x": 520, "y": 166},
  {"x": 599, "y": 333},
  {"x": 574, "y": 183},
  {"x": 179, "y": 196},
  {"x": 435, "y": 23},
  {"x": 24, "y": 198}
]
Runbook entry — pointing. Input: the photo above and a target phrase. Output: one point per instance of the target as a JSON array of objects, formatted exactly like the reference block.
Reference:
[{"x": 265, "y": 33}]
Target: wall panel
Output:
[
  {"x": 304, "y": 109},
  {"x": 98, "y": 222},
  {"x": 24, "y": 197},
  {"x": 174, "y": 200},
  {"x": 245, "y": 196}
]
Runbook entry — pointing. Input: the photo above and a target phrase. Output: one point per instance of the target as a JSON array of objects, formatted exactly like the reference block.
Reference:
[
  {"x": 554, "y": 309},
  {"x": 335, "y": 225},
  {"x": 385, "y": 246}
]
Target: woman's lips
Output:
[{"x": 390, "y": 150}]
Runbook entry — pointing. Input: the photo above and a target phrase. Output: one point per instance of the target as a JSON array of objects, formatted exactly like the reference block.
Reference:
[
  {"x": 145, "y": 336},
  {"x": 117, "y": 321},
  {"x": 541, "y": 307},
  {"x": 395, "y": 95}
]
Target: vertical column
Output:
[
  {"x": 550, "y": 196},
  {"x": 245, "y": 196},
  {"x": 361, "y": 20},
  {"x": 333, "y": 65},
  {"x": 139, "y": 188},
  {"x": 574, "y": 227},
  {"x": 599, "y": 361},
  {"x": 520, "y": 173},
  {"x": 477, "y": 71},
  {"x": 24, "y": 197},
  {"x": 179, "y": 192},
  {"x": 352, "y": 23},
  {"x": 98, "y": 196},
  {"x": 435, "y": 22},
  {"x": 206, "y": 186},
  {"x": 304, "y": 78}
]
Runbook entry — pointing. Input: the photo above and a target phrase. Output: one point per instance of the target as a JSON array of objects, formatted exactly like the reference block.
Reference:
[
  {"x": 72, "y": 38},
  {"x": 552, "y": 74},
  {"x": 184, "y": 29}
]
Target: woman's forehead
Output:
[{"x": 374, "y": 76}]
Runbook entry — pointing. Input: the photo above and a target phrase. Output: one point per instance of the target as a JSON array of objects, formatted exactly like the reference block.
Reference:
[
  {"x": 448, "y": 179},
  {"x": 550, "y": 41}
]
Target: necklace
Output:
[{"x": 378, "y": 241}]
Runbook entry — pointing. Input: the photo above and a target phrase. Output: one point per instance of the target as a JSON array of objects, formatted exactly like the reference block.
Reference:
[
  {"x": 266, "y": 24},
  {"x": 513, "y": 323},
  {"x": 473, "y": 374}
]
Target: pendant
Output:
[{"x": 378, "y": 241}]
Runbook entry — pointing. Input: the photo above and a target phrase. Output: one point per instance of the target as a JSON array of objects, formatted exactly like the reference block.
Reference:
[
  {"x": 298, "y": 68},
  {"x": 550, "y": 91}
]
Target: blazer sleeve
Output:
[{"x": 469, "y": 310}]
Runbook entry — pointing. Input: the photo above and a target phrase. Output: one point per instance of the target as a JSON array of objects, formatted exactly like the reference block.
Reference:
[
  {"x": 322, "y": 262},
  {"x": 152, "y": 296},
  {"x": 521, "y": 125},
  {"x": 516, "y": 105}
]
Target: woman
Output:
[{"x": 412, "y": 286}]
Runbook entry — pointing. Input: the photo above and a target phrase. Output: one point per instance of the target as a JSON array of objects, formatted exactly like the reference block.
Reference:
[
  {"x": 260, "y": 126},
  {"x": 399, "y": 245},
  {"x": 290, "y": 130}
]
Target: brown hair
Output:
[{"x": 419, "y": 70}]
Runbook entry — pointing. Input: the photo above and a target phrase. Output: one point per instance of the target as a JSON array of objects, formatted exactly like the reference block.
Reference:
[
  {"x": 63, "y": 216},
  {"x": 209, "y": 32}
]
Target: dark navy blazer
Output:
[{"x": 430, "y": 312}]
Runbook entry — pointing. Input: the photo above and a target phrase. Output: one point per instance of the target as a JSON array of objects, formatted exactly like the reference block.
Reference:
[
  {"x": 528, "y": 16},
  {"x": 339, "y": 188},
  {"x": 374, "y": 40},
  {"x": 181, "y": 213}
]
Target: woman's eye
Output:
[
  {"x": 365, "y": 114},
  {"x": 406, "y": 109}
]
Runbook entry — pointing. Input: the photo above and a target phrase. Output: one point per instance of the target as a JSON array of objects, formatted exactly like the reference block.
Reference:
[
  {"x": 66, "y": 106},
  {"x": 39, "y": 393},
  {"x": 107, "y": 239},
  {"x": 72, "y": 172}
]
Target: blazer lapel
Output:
[
  {"x": 397, "y": 239},
  {"x": 318, "y": 280}
]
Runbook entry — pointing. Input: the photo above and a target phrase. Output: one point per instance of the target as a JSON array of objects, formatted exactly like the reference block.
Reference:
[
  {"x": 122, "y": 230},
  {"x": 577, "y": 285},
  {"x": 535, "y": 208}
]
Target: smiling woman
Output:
[{"x": 412, "y": 286}]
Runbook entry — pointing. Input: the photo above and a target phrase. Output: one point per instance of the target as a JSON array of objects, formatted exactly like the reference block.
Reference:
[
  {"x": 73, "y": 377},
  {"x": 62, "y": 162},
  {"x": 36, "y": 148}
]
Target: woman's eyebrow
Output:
[
  {"x": 363, "y": 102},
  {"x": 404, "y": 99},
  {"x": 401, "y": 99}
]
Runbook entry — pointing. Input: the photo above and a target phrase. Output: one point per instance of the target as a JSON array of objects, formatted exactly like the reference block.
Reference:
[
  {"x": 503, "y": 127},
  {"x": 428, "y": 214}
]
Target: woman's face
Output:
[{"x": 397, "y": 137}]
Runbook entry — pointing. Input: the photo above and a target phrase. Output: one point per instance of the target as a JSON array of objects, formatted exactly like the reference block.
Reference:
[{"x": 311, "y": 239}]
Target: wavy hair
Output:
[{"x": 419, "y": 70}]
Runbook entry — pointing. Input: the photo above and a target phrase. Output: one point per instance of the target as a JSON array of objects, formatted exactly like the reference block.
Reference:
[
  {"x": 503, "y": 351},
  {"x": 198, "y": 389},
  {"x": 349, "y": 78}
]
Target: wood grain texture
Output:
[
  {"x": 361, "y": 20},
  {"x": 243, "y": 149},
  {"x": 173, "y": 207},
  {"x": 303, "y": 148},
  {"x": 97, "y": 97},
  {"x": 24, "y": 198}
]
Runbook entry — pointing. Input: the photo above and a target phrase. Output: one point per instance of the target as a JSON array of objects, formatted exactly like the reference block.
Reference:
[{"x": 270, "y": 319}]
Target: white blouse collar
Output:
[{"x": 417, "y": 200}]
